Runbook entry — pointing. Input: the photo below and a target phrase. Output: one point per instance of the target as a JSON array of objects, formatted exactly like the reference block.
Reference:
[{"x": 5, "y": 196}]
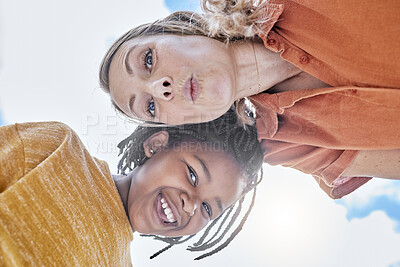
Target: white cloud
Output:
[{"x": 374, "y": 188}]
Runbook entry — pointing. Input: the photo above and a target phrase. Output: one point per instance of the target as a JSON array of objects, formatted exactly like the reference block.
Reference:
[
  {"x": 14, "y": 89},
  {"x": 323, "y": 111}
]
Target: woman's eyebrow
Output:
[
  {"x": 128, "y": 67},
  {"x": 205, "y": 169},
  {"x": 131, "y": 103}
]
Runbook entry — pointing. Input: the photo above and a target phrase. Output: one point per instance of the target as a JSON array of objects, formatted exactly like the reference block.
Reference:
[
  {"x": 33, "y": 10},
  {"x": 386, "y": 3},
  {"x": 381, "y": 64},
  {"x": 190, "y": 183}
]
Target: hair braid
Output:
[
  {"x": 234, "y": 233},
  {"x": 170, "y": 240},
  {"x": 161, "y": 251},
  {"x": 206, "y": 232},
  {"x": 210, "y": 243}
]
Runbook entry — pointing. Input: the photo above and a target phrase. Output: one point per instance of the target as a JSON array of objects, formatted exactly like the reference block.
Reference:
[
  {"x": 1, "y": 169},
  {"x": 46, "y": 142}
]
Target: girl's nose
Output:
[
  {"x": 189, "y": 205},
  {"x": 162, "y": 89}
]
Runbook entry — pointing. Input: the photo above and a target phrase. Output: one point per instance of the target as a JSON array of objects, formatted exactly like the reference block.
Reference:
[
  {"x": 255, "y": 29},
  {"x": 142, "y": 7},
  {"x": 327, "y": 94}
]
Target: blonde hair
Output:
[
  {"x": 225, "y": 21},
  {"x": 234, "y": 18}
]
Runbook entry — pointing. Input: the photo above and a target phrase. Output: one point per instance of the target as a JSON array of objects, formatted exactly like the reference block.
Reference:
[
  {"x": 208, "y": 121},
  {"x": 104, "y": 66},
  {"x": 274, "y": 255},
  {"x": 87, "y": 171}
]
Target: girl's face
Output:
[
  {"x": 173, "y": 79},
  {"x": 177, "y": 192}
]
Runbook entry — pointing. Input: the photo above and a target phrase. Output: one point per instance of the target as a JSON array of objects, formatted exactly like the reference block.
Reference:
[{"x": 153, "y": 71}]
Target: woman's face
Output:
[
  {"x": 173, "y": 79},
  {"x": 177, "y": 192}
]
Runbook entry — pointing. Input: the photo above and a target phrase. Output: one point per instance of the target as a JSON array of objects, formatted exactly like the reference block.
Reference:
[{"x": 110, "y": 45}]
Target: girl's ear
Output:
[{"x": 155, "y": 142}]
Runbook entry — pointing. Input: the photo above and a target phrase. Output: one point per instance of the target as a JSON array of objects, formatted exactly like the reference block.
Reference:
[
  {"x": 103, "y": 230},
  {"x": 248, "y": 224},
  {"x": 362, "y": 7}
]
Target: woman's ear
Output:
[{"x": 155, "y": 142}]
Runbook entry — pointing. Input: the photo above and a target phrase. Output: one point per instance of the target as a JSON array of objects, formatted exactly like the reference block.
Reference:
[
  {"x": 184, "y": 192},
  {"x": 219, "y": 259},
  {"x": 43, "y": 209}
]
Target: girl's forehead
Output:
[
  {"x": 215, "y": 150},
  {"x": 220, "y": 164}
]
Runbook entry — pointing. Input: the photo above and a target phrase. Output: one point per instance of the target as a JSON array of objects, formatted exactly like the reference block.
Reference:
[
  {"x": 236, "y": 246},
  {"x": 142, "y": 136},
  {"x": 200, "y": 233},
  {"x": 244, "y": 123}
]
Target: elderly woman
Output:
[{"x": 322, "y": 76}]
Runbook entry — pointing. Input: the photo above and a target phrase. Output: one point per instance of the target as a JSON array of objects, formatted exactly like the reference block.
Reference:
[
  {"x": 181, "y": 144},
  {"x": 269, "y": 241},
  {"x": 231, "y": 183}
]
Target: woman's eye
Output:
[
  {"x": 151, "y": 108},
  {"x": 207, "y": 208},
  {"x": 148, "y": 59},
  {"x": 192, "y": 176}
]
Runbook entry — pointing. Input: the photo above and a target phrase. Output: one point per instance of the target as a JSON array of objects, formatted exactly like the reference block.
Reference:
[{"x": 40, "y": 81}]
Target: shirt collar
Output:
[{"x": 272, "y": 12}]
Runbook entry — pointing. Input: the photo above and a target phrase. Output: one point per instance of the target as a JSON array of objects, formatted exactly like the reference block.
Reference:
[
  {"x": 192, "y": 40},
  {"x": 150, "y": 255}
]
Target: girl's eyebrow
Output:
[
  {"x": 208, "y": 175},
  {"x": 219, "y": 204},
  {"x": 205, "y": 169},
  {"x": 128, "y": 68}
]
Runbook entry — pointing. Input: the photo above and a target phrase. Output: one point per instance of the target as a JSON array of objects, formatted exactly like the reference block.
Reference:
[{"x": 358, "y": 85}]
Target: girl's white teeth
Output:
[{"x": 167, "y": 211}]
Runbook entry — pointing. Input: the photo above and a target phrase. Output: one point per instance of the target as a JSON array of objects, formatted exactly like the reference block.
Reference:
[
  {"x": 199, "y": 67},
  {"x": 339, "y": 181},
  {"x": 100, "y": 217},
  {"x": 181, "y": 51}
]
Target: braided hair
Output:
[{"x": 225, "y": 134}]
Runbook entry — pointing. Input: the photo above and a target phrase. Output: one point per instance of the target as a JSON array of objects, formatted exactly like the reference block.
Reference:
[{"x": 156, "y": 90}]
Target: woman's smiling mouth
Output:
[{"x": 191, "y": 89}]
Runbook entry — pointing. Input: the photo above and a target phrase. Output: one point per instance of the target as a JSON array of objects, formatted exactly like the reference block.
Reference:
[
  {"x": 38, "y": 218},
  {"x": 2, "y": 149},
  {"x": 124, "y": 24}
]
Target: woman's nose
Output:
[
  {"x": 162, "y": 89},
  {"x": 189, "y": 204}
]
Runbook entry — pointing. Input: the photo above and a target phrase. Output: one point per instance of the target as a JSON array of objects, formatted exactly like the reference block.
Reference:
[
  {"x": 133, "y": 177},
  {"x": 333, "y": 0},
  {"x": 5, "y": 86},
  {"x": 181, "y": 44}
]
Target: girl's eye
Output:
[
  {"x": 207, "y": 208},
  {"x": 192, "y": 176},
  {"x": 148, "y": 59},
  {"x": 151, "y": 108}
]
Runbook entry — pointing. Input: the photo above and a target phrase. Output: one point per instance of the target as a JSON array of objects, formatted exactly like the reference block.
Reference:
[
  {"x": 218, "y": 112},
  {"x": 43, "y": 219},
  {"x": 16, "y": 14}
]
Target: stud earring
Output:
[{"x": 151, "y": 151}]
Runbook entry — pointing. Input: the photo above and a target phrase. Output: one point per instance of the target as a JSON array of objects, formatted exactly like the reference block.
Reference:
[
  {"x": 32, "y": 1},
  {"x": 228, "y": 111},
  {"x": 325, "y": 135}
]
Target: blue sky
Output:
[
  {"x": 385, "y": 203},
  {"x": 1, "y": 119},
  {"x": 385, "y": 197},
  {"x": 175, "y": 5}
]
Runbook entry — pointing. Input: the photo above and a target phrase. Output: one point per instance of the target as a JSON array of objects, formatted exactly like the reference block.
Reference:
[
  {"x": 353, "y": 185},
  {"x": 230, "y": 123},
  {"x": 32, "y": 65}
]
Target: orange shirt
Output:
[{"x": 355, "y": 47}]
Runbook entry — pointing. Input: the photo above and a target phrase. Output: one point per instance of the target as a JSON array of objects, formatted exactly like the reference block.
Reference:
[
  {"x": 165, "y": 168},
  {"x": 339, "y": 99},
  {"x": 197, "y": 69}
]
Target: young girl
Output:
[{"x": 61, "y": 206}]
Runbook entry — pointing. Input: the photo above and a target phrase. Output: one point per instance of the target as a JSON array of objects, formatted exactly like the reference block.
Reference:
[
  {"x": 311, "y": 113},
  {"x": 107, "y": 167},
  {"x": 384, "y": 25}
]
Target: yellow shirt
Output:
[{"x": 58, "y": 205}]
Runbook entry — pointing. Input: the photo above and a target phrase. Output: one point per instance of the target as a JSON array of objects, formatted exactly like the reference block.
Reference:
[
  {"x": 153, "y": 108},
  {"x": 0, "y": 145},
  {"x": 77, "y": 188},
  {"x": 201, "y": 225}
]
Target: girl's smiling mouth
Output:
[{"x": 166, "y": 211}]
